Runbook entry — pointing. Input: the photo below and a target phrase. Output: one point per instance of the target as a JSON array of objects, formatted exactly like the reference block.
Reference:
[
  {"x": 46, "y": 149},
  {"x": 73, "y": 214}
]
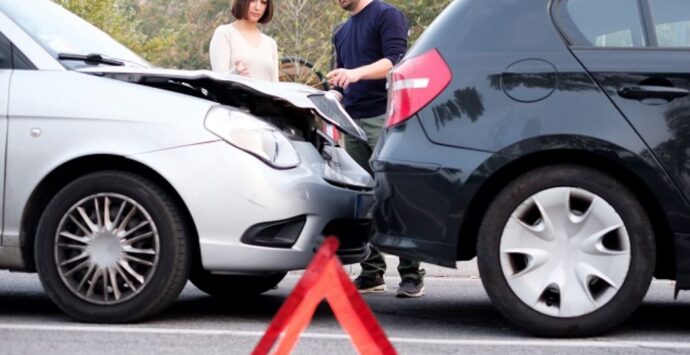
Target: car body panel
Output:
[
  {"x": 5, "y": 76},
  {"x": 76, "y": 122},
  {"x": 478, "y": 113},
  {"x": 662, "y": 124},
  {"x": 516, "y": 96},
  {"x": 419, "y": 186},
  {"x": 423, "y": 200},
  {"x": 225, "y": 204},
  {"x": 127, "y": 181},
  {"x": 296, "y": 94},
  {"x": 682, "y": 250},
  {"x": 56, "y": 116}
]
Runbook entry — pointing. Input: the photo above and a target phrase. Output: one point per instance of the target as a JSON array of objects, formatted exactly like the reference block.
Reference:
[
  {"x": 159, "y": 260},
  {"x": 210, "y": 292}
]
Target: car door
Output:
[
  {"x": 639, "y": 53},
  {"x": 6, "y": 67}
]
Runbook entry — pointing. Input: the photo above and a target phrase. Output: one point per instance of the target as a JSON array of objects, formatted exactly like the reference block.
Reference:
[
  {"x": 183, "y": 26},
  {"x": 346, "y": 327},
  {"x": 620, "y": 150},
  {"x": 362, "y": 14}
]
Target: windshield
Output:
[{"x": 60, "y": 31}]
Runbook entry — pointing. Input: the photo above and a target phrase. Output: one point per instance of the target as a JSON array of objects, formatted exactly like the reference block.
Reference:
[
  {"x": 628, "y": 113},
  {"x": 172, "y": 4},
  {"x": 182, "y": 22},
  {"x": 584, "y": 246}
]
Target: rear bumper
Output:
[
  {"x": 412, "y": 213},
  {"x": 415, "y": 249},
  {"x": 682, "y": 250},
  {"x": 422, "y": 194}
]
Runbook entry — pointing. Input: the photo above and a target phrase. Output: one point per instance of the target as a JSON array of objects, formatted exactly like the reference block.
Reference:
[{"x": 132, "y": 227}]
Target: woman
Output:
[{"x": 241, "y": 48}]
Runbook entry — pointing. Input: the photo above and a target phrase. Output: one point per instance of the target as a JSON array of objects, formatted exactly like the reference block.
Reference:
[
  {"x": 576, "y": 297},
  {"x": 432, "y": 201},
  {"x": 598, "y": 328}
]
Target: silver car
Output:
[{"x": 121, "y": 181}]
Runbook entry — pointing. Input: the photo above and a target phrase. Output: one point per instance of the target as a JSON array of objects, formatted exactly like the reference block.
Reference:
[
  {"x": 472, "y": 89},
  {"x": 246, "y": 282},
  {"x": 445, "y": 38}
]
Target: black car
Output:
[{"x": 551, "y": 140}]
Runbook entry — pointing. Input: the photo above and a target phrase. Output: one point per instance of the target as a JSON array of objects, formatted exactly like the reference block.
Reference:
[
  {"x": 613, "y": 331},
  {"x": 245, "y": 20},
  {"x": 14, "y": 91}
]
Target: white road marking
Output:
[{"x": 395, "y": 340}]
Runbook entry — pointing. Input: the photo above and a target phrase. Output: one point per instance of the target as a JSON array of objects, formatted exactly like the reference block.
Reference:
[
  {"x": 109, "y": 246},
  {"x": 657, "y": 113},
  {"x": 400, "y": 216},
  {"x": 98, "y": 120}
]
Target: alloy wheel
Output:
[{"x": 106, "y": 248}]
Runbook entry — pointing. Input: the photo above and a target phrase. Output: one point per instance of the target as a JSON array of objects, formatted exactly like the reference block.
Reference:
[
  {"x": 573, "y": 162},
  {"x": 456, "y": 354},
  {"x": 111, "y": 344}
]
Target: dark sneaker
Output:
[
  {"x": 411, "y": 288},
  {"x": 370, "y": 285}
]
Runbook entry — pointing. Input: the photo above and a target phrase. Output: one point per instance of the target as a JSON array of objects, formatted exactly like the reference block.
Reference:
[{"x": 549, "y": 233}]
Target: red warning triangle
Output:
[{"x": 325, "y": 278}]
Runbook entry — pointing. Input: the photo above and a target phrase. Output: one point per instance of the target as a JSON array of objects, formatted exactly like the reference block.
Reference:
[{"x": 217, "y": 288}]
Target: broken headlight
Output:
[{"x": 253, "y": 136}]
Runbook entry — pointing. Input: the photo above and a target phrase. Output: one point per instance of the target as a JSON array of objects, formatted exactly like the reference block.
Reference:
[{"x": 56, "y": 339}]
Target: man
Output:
[{"x": 367, "y": 46}]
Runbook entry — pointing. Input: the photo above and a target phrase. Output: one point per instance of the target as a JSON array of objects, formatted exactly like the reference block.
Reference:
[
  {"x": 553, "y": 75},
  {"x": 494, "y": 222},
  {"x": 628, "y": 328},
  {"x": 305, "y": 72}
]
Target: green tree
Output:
[
  {"x": 119, "y": 18},
  {"x": 193, "y": 22},
  {"x": 176, "y": 33},
  {"x": 420, "y": 13},
  {"x": 303, "y": 28}
]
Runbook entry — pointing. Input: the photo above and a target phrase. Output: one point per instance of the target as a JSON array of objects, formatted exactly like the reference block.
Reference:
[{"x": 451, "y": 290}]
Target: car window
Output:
[
  {"x": 60, "y": 31},
  {"x": 20, "y": 61},
  {"x": 603, "y": 23},
  {"x": 5, "y": 53},
  {"x": 672, "y": 22}
]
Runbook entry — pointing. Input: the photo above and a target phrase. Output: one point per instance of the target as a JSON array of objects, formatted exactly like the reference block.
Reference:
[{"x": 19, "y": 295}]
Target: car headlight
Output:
[{"x": 253, "y": 136}]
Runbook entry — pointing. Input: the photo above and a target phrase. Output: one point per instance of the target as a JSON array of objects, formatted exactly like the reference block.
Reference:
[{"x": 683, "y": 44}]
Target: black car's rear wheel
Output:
[
  {"x": 566, "y": 251},
  {"x": 111, "y": 247}
]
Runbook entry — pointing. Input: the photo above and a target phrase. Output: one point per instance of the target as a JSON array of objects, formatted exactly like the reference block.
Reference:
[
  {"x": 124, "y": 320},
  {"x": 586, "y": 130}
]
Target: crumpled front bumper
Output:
[{"x": 227, "y": 192}]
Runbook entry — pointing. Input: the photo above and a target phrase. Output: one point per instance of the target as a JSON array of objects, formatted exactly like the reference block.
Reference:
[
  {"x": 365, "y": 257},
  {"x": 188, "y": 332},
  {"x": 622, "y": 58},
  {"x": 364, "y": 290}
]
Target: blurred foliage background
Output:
[{"x": 176, "y": 33}]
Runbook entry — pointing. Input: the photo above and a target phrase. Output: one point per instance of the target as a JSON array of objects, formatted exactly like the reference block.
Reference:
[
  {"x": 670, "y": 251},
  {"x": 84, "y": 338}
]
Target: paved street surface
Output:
[{"x": 455, "y": 317}]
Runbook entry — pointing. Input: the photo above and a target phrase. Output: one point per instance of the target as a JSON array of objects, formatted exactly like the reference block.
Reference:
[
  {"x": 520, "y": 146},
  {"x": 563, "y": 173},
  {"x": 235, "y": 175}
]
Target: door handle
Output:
[{"x": 642, "y": 92}]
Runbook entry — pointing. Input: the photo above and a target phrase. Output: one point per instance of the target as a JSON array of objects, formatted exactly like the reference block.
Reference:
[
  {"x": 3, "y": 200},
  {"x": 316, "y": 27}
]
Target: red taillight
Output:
[{"x": 414, "y": 84}]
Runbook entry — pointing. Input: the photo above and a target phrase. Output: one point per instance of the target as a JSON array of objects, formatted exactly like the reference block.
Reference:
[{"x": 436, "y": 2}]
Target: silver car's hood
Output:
[{"x": 298, "y": 95}]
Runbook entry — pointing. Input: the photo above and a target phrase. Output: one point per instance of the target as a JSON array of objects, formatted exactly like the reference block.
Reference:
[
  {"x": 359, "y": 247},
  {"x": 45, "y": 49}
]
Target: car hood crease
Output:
[{"x": 295, "y": 94}]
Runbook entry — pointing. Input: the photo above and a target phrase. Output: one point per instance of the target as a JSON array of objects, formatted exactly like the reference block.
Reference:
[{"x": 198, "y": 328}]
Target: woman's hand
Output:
[{"x": 241, "y": 69}]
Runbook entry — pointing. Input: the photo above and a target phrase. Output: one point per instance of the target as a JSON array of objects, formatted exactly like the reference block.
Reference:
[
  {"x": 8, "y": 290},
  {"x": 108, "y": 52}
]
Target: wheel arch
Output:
[
  {"x": 52, "y": 183},
  {"x": 469, "y": 229}
]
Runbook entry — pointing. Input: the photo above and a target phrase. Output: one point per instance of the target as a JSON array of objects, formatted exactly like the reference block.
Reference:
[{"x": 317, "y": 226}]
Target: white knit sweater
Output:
[{"x": 229, "y": 45}]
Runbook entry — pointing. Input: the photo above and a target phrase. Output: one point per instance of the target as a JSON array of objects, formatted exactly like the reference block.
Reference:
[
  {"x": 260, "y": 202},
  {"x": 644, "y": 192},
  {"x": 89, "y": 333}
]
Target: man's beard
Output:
[{"x": 348, "y": 5}]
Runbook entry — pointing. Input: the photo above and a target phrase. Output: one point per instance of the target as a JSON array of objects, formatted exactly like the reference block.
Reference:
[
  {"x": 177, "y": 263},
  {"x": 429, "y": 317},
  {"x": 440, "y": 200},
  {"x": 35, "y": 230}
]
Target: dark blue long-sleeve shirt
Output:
[{"x": 378, "y": 31}]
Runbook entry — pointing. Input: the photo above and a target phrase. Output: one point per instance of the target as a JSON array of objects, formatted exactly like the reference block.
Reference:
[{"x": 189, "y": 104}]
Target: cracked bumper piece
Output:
[{"x": 251, "y": 218}]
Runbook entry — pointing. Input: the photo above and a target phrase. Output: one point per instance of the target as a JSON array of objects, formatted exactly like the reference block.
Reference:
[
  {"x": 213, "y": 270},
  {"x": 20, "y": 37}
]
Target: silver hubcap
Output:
[
  {"x": 107, "y": 248},
  {"x": 565, "y": 252}
]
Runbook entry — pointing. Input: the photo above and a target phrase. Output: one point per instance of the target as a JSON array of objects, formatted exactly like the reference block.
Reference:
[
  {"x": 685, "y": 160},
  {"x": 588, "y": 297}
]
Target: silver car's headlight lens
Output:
[{"x": 253, "y": 136}]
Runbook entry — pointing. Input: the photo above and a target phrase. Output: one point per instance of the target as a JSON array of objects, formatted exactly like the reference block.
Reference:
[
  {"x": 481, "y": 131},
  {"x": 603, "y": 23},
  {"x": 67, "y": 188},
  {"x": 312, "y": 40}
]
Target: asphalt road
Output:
[{"x": 455, "y": 317}]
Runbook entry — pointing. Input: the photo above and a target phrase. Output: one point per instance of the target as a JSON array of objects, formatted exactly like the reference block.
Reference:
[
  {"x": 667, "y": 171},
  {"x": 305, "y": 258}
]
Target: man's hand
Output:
[
  {"x": 343, "y": 77},
  {"x": 241, "y": 69},
  {"x": 346, "y": 77}
]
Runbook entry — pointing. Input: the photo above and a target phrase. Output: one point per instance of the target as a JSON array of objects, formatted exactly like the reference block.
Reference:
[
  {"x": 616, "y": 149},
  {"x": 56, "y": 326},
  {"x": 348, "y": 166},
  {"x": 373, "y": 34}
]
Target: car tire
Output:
[
  {"x": 117, "y": 264},
  {"x": 557, "y": 268},
  {"x": 234, "y": 286}
]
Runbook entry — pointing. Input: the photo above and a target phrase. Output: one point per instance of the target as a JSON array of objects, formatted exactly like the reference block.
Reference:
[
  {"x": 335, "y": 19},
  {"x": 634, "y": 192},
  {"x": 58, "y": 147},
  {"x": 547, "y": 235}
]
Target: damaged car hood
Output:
[{"x": 298, "y": 95}]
